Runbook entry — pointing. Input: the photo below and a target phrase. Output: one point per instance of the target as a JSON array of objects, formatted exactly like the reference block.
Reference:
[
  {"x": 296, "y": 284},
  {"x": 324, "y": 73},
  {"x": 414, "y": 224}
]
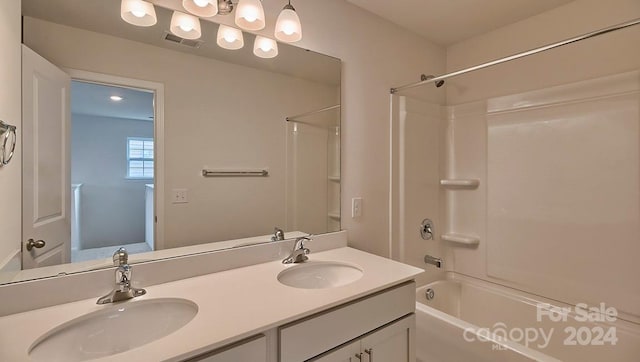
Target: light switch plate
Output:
[
  {"x": 356, "y": 207},
  {"x": 179, "y": 196}
]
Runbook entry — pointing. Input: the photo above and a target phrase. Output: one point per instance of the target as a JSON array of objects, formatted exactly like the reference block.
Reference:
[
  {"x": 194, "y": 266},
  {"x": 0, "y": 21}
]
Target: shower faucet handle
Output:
[{"x": 426, "y": 229}]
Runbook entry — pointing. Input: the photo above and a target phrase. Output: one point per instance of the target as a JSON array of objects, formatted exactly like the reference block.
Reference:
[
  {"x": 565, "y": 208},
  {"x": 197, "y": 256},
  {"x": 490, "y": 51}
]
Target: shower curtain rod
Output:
[
  {"x": 521, "y": 55},
  {"x": 293, "y": 118}
]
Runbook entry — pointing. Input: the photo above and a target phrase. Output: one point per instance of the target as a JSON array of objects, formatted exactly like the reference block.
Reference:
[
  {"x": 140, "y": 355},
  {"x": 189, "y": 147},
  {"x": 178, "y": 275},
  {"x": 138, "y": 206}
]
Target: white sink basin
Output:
[
  {"x": 118, "y": 328},
  {"x": 320, "y": 274}
]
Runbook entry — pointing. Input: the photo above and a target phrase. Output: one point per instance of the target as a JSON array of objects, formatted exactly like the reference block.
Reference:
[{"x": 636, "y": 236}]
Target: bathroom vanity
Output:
[
  {"x": 380, "y": 324},
  {"x": 363, "y": 307}
]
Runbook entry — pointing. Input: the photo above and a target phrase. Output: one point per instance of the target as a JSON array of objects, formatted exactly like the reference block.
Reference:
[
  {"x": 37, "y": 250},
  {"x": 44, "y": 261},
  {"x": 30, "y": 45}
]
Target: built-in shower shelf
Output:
[
  {"x": 334, "y": 215},
  {"x": 334, "y": 178},
  {"x": 460, "y": 238},
  {"x": 460, "y": 183}
]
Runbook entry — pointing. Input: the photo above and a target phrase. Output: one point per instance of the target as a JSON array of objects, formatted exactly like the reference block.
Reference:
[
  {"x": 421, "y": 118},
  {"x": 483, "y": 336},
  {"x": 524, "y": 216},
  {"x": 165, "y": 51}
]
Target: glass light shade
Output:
[
  {"x": 265, "y": 47},
  {"x": 185, "y": 26},
  {"x": 138, "y": 12},
  {"x": 230, "y": 38},
  {"x": 204, "y": 8},
  {"x": 288, "y": 28},
  {"x": 250, "y": 15}
]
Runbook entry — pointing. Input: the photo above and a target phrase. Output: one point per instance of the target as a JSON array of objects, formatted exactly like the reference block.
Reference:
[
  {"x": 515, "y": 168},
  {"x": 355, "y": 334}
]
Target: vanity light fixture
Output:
[
  {"x": 225, "y": 7},
  {"x": 288, "y": 27},
  {"x": 265, "y": 47},
  {"x": 116, "y": 98},
  {"x": 230, "y": 38},
  {"x": 185, "y": 26},
  {"x": 138, "y": 12},
  {"x": 250, "y": 15},
  {"x": 203, "y": 8}
]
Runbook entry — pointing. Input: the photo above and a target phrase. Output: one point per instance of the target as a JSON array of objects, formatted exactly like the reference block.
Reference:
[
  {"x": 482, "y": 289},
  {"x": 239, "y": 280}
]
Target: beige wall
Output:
[
  {"x": 556, "y": 260},
  {"x": 608, "y": 54},
  {"x": 10, "y": 112},
  {"x": 217, "y": 115}
]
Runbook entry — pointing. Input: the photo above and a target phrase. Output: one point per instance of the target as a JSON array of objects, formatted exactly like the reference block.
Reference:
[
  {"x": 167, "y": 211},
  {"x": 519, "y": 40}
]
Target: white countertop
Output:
[{"x": 233, "y": 305}]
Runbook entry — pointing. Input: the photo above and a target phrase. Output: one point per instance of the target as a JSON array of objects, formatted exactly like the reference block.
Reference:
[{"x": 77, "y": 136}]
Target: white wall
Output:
[
  {"x": 576, "y": 256},
  {"x": 217, "y": 115},
  {"x": 10, "y": 112},
  {"x": 112, "y": 206}
]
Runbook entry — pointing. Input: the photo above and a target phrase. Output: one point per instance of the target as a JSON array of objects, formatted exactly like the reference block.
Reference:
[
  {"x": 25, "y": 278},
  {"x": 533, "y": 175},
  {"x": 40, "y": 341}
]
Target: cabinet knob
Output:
[{"x": 35, "y": 244}]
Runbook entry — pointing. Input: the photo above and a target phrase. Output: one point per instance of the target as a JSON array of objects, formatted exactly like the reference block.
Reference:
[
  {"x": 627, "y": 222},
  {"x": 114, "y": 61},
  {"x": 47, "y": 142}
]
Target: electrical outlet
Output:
[
  {"x": 356, "y": 207},
  {"x": 179, "y": 196}
]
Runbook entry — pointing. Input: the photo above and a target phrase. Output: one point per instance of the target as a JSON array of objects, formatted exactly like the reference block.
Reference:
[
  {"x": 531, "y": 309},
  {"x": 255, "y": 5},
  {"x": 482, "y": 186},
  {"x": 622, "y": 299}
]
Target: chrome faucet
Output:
[
  {"x": 299, "y": 252},
  {"x": 123, "y": 290},
  {"x": 278, "y": 234},
  {"x": 433, "y": 261}
]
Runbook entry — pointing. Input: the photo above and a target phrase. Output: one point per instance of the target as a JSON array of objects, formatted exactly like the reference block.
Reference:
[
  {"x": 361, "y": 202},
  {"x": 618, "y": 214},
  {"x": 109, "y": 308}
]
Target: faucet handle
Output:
[
  {"x": 120, "y": 257},
  {"x": 278, "y": 234},
  {"x": 300, "y": 241}
]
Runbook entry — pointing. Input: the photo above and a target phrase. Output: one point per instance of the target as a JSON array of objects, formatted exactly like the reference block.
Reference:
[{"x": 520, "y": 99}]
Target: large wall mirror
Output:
[{"x": 133, "y": 137}]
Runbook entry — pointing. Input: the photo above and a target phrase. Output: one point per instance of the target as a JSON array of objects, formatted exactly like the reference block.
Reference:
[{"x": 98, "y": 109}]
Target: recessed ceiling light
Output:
[{"x": 116, "y": 98}]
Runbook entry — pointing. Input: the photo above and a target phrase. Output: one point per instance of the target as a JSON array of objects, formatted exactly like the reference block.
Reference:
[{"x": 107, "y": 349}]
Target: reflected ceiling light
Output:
[
  {"x": 204, "y": 8},
  {"x": 116, "y": 98},
  {"x": 265, "y": 47},
  {"x": 230, "y": 38},
  {"x": 288, "y": 27},
  {"x": 185, "y": 26},
  {"x": 138, "y": 12},
  {"x": 250, "y": 15}
]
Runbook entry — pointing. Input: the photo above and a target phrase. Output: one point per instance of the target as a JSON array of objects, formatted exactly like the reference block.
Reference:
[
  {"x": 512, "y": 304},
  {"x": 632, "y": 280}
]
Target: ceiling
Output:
[
  {"x": 446, "y": 22},
  {"x": 94, "y": 99}
]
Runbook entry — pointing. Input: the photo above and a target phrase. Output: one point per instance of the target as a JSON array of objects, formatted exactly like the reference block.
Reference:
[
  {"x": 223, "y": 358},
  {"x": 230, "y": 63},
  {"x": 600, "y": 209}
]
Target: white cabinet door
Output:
[
  {"x": 392, "y": 343},
  {"x": 46, "y": 162},
  {"x": 300, "y": 341},
  {"x": 347, "y": 353},
  {"x": 252, "y": 350}
]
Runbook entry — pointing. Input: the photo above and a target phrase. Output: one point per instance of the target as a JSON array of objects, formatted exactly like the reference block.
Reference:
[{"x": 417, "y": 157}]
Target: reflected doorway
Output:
[{"x": 112, "y": 170}]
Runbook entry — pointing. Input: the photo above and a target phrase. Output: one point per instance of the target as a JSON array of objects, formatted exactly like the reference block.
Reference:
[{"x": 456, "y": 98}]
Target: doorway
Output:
[
  {"x": 112, "y": 169},
  {"x": 48, "y": 189}
]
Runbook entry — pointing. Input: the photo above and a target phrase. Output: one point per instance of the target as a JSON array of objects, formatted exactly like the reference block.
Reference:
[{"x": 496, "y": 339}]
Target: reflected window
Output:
[{"x": 139, "y": 157}]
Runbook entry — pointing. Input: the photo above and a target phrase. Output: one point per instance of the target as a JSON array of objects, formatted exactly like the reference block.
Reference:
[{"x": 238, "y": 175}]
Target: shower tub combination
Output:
[{"x": 465, "y": 319}]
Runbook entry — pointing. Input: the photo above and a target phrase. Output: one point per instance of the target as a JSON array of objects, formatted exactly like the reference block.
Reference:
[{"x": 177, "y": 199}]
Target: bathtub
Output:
[{"x": 472, "y": 320}]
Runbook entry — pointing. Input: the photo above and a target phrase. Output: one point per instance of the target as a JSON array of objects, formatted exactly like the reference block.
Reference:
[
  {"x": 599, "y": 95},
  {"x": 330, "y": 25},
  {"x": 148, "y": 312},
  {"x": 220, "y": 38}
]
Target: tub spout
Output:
[{"x": 433, "y": 261}]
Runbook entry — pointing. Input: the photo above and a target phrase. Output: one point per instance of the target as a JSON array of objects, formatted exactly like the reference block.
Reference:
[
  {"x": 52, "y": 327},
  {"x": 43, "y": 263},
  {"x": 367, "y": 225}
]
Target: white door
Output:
[{"x": 46, "y": 199}]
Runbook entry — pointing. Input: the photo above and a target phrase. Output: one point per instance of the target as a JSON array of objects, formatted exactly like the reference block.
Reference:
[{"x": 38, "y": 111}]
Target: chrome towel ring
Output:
[{"x": 8, "y": 142}]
